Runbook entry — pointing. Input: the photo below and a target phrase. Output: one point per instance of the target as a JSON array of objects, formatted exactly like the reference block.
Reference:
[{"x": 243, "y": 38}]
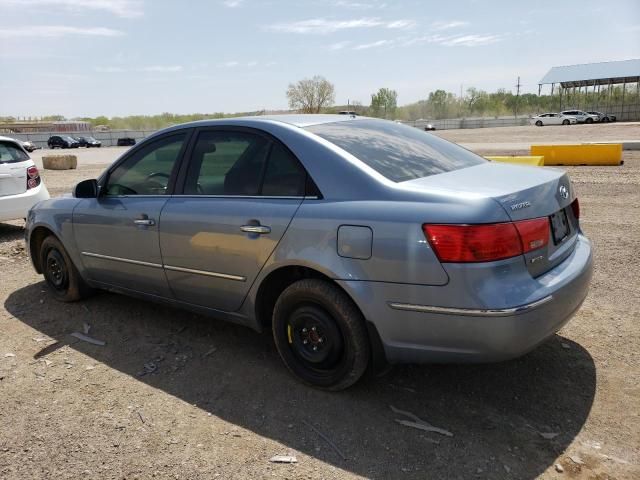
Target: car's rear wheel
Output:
[
  {"x": 605, "y": 120},
  {"x": 539, "y": 123},
  {"x": 60, "y": 273},
  {"x": 320, "y": 334},
  {"x": 566, "y": 122}
]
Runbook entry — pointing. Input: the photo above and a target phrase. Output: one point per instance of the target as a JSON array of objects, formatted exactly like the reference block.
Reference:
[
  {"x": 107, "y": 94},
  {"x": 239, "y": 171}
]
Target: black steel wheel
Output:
[
  {"x": 320, "y": 334},
  {"x": 61, "y": 275}
]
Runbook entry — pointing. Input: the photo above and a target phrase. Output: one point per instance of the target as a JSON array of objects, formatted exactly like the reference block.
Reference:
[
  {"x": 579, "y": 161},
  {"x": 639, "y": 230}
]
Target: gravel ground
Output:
[{"x": 175, "y": 395}]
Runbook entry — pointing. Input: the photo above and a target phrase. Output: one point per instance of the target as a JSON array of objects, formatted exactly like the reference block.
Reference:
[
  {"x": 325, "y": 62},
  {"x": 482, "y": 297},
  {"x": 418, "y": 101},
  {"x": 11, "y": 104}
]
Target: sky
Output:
[{"x": 129, "y": 57}]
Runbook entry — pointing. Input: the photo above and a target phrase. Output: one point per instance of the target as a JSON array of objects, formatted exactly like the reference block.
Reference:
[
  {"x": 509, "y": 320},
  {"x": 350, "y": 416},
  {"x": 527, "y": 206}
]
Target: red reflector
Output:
[
  {"x": 473, "y": 243},
  {"x": 32, "y": 183},
  {"x": 533, "y": 233},
  {"x": 575, "y": 206}
]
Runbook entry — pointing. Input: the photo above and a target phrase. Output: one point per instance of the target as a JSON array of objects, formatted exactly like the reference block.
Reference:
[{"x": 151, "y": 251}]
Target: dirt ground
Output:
[{"x": 175, "y": 395}]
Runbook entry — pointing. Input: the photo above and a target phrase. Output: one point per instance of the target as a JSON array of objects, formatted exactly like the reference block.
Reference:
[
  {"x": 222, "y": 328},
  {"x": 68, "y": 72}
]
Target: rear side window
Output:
[
  {"x": 11, "y": 153},
  {"x": 396, "y": 151},
  {"x": 284, "y": 176}
]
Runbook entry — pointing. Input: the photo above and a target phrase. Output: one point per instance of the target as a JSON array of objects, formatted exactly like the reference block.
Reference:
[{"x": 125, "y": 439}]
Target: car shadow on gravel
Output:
[{"x": 508, "y": 420}]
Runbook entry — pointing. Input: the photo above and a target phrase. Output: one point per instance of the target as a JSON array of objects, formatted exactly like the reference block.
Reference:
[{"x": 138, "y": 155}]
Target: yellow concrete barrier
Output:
[
  {"x": 585, "y": 154},
  {"x": 534, "y": 160}
]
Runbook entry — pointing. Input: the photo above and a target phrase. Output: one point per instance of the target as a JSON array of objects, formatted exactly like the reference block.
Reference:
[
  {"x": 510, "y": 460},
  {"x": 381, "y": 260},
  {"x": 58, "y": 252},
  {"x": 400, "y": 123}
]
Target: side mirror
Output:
[{"x": 86, "y": 189}]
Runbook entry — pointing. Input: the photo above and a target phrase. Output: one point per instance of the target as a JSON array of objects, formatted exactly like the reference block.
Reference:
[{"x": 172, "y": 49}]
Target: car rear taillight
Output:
[
  {"x": 533, "y": 233},
  {"x": 33, "y": 177},
  {"x": 575, "y": 206},
  {"x": 486, "y": 243}
]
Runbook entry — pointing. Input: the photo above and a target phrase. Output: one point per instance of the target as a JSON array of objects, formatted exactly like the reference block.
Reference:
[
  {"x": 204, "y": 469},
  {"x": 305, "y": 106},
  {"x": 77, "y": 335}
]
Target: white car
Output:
[
  {"x": 582, "y": 117},
  {"x": 552, "y": 119},
  {"x": 20, "y": 184}
]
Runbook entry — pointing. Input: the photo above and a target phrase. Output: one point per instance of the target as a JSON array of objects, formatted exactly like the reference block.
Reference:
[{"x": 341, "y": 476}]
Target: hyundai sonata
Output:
[{"x": 352, "y": 239}]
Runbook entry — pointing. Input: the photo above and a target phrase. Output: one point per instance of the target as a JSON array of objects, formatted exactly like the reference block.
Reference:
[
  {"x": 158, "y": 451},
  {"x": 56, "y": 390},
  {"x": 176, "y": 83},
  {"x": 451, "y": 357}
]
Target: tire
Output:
[
  {"x": 321, "y": 335},
  {"x": 605, "y": 120},
  {"x": 566, "y": 122},
  {"x": 589, "y": 120},
  {"x": 61, "y": 275},
  {"x": 539, "y": 123}
]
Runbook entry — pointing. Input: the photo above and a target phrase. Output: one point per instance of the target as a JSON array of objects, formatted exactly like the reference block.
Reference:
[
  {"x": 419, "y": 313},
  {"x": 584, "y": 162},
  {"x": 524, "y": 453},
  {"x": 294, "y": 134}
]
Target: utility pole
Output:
[{"x": 517, "y": 96}]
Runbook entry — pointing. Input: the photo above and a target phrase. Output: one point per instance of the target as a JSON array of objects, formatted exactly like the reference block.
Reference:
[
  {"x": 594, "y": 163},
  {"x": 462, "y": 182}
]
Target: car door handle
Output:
[
  {"x": 261, "y": 229},
  {"x": 145, "y": 220}
]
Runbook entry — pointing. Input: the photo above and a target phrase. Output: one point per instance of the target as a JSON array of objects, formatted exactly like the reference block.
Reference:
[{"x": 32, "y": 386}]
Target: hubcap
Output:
[{"x": 314, "y": 337}]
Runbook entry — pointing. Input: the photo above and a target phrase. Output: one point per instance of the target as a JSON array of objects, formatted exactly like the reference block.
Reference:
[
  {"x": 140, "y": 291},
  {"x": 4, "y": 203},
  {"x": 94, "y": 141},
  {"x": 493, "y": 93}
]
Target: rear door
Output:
[
  {"x": 13, "y": 169},
  {"x": 117, "y": 233},
  {"x": 241, "y": 190}
]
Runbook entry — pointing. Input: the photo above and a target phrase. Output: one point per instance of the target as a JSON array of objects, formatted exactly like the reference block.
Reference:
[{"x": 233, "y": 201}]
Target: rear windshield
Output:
[
  {"x": 394, "y": 150},
  {"x": 10, "y": 153}
]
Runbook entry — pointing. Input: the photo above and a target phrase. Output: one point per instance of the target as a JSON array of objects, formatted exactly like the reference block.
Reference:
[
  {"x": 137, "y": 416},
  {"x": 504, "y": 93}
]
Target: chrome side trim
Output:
[
  {"x": 479, "y": 312},
  {"x": 226, "y": 276},
  {"x": 124, "y": 260}
]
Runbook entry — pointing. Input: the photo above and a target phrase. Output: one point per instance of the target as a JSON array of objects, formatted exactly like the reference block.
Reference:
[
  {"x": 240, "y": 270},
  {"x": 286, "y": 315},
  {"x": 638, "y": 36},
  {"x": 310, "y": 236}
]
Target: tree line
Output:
[{"x": 317, "y": 95}]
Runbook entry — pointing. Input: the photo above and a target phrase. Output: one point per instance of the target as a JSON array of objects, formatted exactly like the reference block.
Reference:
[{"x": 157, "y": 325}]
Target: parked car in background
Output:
[
  {"x": 604, "y": 117},
  {"x": 353, "y": 240},
  {"x": 20, "y": 184},
  {"x": 62, "y": 141},
  {"x": 126, "y": 142},
  {"x": 88, "y": 142},
  {"x": 429, "y": 128},
  {"x": 347, "y": 112},
  {"x": 29, "y": 146},
  {"x": 582, "y": 117},
  {"x": 552, "y": 119}
]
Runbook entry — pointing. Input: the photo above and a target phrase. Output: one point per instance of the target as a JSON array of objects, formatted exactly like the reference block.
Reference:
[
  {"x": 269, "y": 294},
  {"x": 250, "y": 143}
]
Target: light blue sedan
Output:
[{"x": 356, "y": 241}]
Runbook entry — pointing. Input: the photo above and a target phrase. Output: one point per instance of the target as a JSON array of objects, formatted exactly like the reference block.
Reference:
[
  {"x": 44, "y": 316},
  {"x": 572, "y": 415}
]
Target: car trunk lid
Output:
[{"x": 524, "y": 193}]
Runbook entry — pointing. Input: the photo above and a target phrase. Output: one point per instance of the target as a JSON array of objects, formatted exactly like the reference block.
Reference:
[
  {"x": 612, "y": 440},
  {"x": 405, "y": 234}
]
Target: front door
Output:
[
  {"x": 117, "y": 233},
  {"x": 240, "y": 193}
]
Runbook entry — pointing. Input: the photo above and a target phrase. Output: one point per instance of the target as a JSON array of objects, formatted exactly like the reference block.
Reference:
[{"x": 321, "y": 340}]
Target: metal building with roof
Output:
[{"x": 604, "y": 80}]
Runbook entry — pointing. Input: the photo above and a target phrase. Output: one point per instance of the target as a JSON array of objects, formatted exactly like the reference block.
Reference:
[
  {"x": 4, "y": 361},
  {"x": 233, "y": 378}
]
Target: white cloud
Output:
[
  {"x": 52, "y": 31},
  {"x": 324, "y": 26},
  {"x": 454, "y": 40},
  {"x": 379, "y": 43},
  {"x": 359, "y": 5},
  {"x": 121, "y": 8},
  {"x": 448, "y": 25},
  {"x": 339, "y": 45},
  {"x": 232, "y": 3}
]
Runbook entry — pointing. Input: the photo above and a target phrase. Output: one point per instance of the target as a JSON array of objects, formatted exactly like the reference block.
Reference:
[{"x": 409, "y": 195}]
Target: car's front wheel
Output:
[
  {"x": 539, "y": 123},
  {"x": 60, "y": 273},
  {"x": 589, "y": 120},
  {"x": 321, "y": 334},
  {"x": 566, "y": 122},
  {"x": 605, "y": 120}
]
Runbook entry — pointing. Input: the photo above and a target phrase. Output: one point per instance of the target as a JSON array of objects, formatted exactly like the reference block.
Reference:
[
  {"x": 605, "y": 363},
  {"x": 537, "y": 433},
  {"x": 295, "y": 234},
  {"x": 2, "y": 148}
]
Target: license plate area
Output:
[{"x": 559, "y": 226}]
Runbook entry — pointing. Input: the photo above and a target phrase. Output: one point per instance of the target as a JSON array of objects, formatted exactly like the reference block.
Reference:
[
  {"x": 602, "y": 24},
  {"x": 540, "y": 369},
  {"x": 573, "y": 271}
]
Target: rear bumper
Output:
[
  {"x": 13, "y": 207},
  {"x": 415, "y": 328}
]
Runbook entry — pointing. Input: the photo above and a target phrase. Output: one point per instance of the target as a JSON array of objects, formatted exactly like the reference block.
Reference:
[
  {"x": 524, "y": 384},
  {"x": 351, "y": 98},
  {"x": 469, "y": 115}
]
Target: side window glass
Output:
[
  {"x": 147, "y": 171},
  {"x": 284, "y": 177},
  {"x": 226, "y": 163}
]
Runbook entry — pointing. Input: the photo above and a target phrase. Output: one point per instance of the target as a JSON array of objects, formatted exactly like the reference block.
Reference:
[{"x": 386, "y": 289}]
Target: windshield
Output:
[
  {"x": 396, "y": 151},
  {"x": 11, "y": 153}
]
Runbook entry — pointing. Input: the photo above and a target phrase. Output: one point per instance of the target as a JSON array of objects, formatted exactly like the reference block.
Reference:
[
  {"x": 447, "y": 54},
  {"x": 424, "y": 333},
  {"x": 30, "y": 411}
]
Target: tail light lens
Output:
[
  {"x": 486, "y": 243},
  {"x": 575, "y": 206},
  {"x": 33, "y": 177}
]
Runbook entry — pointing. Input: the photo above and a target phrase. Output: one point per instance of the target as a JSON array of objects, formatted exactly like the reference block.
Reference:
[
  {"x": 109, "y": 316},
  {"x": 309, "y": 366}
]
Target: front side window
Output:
[
  {"x": 11, "y": 153},
  {"x": 396, "y": 151},
  {"x": 148, "y": 170}
]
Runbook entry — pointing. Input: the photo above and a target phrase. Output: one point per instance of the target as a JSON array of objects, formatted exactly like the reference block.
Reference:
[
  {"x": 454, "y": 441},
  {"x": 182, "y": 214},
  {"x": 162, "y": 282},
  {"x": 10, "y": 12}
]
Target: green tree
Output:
[
  {"x": 311, "y": 95},
  {"x": 384, "y": 103}
]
